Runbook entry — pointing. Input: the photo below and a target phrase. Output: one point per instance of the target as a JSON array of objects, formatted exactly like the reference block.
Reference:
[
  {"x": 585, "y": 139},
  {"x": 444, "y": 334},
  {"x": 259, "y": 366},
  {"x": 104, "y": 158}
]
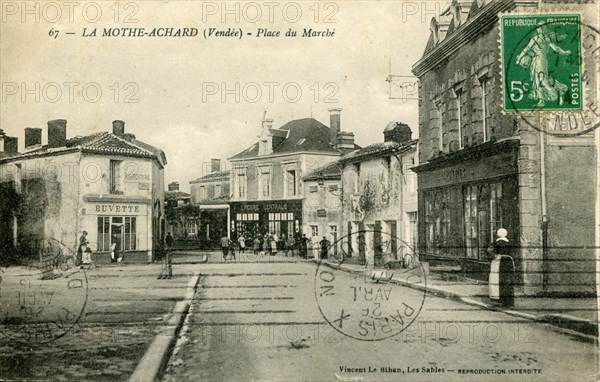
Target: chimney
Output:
[
  {"x": 268, "y": 123},
  {"x": 334, "y": 124},
  {"x": 57, "y": 133},
  {"x": 215, "y": 165},
  {"x": 345, "y": 141},
  {"x": 118, "y": 127},
  {"x": 11, "y": 145},
  {"x": 397, "y": 132},
  {"x": 33, "y": 137},
  {"x": 174, "y": 186}
]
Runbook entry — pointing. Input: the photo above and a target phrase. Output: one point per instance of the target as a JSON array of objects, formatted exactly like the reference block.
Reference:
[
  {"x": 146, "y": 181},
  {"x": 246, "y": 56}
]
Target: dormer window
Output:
[{"x": 433, "y": 27}]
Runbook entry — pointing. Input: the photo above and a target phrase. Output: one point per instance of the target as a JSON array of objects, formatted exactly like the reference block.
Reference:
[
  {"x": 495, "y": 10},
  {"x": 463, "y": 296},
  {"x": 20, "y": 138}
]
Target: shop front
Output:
[
  {"x": 126, "y": 223},
  {"x": 462, "y": 203},
  {"x": 281, "y": 217}
]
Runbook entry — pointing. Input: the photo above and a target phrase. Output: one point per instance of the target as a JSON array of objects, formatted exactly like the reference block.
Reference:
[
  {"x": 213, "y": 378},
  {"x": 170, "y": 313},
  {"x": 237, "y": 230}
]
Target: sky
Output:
[{"x": 203, "y": 97}]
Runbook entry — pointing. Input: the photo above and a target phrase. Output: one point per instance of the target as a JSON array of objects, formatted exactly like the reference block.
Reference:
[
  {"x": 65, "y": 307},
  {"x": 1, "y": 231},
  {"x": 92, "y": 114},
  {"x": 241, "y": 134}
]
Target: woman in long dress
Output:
[
  {"x": 501, "y": 279},
  {"x": 534, "y": 56}
]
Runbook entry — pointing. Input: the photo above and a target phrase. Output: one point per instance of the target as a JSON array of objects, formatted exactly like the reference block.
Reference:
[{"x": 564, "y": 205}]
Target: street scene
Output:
[{"x": 299, "y": 191}]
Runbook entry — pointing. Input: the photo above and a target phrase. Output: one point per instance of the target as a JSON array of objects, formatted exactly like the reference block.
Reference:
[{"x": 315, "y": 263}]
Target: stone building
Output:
[
  {"x": 380, "y": 197},
  {"x": 322, "y": 208},
  {"x": 267, "y": 191},
  {"x": 108, "y": 184},
  {"x": 480, "y": 169},
  {"x": 211, "y": 194}
]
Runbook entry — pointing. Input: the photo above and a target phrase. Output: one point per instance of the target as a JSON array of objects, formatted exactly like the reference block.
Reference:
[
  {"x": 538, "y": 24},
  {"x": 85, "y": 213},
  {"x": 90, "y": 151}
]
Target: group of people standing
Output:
[{"x": 271, "y": 244}]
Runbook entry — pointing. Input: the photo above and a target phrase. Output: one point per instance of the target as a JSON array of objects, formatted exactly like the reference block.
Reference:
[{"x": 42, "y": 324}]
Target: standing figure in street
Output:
[
  {"x": 225, "y": 246},
  {"x": 256, "y": 245},
  {"x": 502, "y": 270},
  {"x": 304, "y": 246},
  {"x": 324, "y": 247},
  {"x": 232, "y": 248},
  {"x": 169, "y": 247},
  {"x": 290, "y": 245},
  {"x": 118, "y": 254},
  {"x": 242, "y": 241},
  {"x": 273, "y": 244},
  {"x": 83, "y": 243}
]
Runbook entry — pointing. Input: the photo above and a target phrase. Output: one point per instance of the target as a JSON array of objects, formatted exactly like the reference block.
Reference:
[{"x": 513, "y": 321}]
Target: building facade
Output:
[
  {"x": 380, "y": 198},
  {"x": 481, "y": 169},
  {"x": 266, "y": 179},
  {"x": 322, "y": 208},
  {"x": 108, "y": 184},
  {"x": 211, "y": 194}
]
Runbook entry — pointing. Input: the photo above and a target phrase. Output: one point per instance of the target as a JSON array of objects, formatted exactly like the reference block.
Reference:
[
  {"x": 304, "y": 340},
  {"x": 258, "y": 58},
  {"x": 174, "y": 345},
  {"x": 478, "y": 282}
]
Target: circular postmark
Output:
[
  {"x": 366, "y": 306},
  {"x": 549, "y": 72},
  {"x": 43, "y": 302}
]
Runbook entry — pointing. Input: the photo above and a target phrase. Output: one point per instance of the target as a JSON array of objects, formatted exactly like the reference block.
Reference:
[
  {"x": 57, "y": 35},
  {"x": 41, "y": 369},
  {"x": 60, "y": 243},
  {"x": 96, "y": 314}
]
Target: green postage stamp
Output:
[{"x": 541, "y": 58}]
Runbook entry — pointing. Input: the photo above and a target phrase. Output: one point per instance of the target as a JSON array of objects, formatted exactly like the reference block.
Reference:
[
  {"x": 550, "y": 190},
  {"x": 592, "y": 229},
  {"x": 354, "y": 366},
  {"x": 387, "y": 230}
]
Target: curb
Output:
[
  {"x": 563, "y": 323},
  {"x": 153, "y": 362}
]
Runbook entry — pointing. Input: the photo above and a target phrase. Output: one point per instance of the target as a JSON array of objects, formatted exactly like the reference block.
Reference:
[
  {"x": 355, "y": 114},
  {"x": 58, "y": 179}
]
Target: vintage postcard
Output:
[{"x": 299, "y": 190}]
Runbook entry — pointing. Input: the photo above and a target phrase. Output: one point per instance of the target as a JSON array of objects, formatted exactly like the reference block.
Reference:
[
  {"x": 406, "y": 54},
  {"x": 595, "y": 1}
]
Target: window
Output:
[
  {"x": 437, "y": 221},
  {"x": 291, "y": 183},
  {"x": 437, "y": 123},
  {"x": 129, "y": 239},
  {"x": 202, "y": 192},
  {"x": 103, "y": 233},
  {"x": 411, "y": 182},
  {"x": 218, "y": 190},
  {"x": 412, "y": 229},
  {"x": 487, "y": 107},
  {"x": 281, "y": 223},
  {"x": 240, "y": 184},
  {"x": 115, "y": 177},
  {"x": 265, "y": 183},
  {"x": 471, "y": 234},
  {"x": 191, "y": 228},
  {"x": 462, "y": 99},
  {"x": 483, "y": 216},
  {"x": 314, "y": 230},
  {"x": 357, "y": 178}
]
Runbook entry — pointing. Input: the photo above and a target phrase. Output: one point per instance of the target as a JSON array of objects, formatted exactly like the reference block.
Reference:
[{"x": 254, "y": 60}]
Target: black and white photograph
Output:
[{"x": 309, "y": 190}]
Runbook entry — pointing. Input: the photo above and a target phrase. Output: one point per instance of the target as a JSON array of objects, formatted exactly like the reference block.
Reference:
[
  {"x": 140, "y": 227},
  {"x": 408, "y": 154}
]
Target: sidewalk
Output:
[{"x": 574, "y": 314}]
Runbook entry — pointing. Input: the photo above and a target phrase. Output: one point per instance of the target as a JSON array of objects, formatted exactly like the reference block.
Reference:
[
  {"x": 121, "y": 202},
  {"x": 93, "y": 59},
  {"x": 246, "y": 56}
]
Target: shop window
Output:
[
  {"x": 412, "y": 229},
  {"x": 129, "y": 239},
  {"x": 115, "y": 177},
  {"x": 483, "y": 216},
  {"x": 437, "y": 222},
  {"x": 281, "y": 223},
  {"x": 103, "y": 233}
]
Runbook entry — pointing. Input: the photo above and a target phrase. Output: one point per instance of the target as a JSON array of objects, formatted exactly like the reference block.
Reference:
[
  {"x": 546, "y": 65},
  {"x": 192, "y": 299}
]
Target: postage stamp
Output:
[
  {"x": 542, "y": 62},
  {"x": 368, "y": 306}
]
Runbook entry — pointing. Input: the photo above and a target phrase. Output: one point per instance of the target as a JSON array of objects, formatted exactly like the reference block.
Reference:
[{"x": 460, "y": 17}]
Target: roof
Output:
[
  {"x": 218, "y": 200},
  {"x": 214, "y": 177},
  {"x": 332, "y": 170},
  {"x": 299, "y": 135},
  {"x": 176, "y": 195},
  {"x": 377, "y": 149},
  {"x": 99, "y": 143}
]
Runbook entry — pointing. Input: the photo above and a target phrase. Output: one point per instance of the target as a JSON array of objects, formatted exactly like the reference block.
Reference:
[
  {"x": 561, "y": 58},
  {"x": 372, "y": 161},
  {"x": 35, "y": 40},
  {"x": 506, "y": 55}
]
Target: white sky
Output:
[{"x": 170, "y": 72}]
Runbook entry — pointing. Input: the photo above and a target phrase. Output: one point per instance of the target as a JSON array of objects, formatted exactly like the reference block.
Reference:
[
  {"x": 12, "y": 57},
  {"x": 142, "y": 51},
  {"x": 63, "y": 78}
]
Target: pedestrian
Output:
[
  {"x": 265, "y": 244},
  {"x": 169, "y": 241},
  {"x": 273, "y": 242},
  {"x": 304, "y": 246},
  {"x": 225, "y": 246},
  {"x": 232, "y": 248},
  {"x": 118, "y": 254},
  {"x": 290, "y": 245},
  {"x": 324, "y": 247},
  {"x": 242, "y": 241},
  {"x": 502, "y": 270},
  {"x": 83, "y": 243},
  {"x": 256, "y": 245}
]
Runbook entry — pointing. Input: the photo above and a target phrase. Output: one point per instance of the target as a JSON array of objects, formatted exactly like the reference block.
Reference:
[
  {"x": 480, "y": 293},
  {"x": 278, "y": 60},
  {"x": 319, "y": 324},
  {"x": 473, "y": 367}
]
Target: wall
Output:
[{"x": 329, "y": 202}]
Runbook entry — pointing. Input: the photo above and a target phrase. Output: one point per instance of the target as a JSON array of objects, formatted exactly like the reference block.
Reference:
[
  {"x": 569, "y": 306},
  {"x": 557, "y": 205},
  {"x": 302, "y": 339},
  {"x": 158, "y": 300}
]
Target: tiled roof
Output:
[
  {"x": 305, "y": 134},
  {"x": 99, "y": 143},
  {"x": 376, "y": 149},
  {"x": 215, "y": 176},
  {"x": 332, "y": 170},
  {"x": 218, "y": 200},
  {"x": 176, "y": 195}
]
